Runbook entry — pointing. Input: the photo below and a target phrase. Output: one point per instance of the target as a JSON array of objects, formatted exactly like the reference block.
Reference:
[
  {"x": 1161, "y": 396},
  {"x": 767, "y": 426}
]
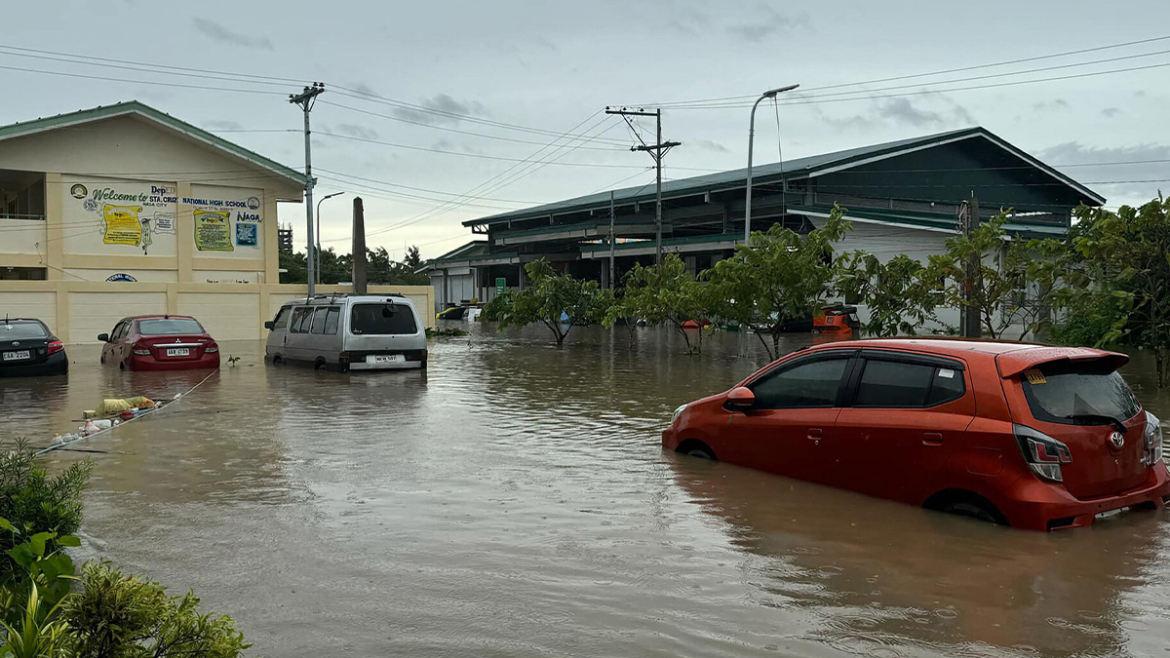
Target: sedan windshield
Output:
[{"x": 169, "y": 327}]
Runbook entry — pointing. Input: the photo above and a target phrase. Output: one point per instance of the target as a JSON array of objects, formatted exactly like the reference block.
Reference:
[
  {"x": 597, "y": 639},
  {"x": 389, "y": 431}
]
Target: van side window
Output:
[
  {"x": 300, "y": 320},
  {"x": 903, "y": 385},
  {"x": 281, "y": 320},
  {"x": 331, "y": 320},
  {"x": 803, "y": 386},
  {"x": 319, "y": 320}
]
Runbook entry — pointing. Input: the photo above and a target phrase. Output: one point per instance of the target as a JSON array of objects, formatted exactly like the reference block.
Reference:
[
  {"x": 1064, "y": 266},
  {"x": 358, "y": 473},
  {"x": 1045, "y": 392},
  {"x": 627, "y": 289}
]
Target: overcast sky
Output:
[{"x": 552, "y": 67}]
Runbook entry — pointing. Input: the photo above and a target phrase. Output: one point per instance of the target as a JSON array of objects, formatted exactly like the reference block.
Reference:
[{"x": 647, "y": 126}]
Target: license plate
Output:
[
  {"x": 383, "y": 359},
  {"x": 18, "y": 355},
  {"x": 1111, "y": 513},
  {"x": 178, "y": 351}
]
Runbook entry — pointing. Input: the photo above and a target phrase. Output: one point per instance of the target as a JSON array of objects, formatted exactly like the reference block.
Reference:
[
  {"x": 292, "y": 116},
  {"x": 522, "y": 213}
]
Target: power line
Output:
[
  {"x": 141, "y": 82},
  {"x": 417, "y": 189}
]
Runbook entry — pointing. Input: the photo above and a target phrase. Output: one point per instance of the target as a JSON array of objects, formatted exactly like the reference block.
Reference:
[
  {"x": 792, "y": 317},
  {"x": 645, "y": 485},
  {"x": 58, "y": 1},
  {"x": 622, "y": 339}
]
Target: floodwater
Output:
[{"x": 515, "y": 501}]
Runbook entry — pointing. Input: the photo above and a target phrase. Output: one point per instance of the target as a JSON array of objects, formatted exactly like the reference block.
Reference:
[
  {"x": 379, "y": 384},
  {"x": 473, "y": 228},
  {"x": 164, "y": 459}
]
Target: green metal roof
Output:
[
  {"x": 25, "y": 128},
  {"x": 767, "y": 173}
]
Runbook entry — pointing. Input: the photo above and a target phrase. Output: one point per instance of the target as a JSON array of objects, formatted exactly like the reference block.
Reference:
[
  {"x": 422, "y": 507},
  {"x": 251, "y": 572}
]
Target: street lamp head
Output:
[{"x": 771, "y": 93}]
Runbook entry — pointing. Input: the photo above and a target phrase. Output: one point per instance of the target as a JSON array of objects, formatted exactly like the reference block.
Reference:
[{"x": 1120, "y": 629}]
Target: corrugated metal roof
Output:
[
  {"x": 25, "y": 128},
  {"x": 765, "y": 173}
]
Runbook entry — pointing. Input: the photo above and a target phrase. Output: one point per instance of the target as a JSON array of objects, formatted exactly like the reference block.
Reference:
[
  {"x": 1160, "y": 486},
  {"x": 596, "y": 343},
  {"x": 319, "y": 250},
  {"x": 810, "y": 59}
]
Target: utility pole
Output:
[
  {"x": 971, "y": 322},
  {"x": 657, "y": 151},
  {"x": 747, "y": 202},
  {"x": 612, "y": 282},
  {"x": 358, "y": 251},
  {"x": 305, "y": 101}
]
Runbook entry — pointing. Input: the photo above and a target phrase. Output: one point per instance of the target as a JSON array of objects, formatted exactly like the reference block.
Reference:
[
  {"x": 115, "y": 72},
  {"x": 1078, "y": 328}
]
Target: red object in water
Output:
[
  {"x": 126, "y": 415},
  {"x": 691, "y": 324},
  {"x": 836, "y": 319},
  {"x": 160, "y": 342}
]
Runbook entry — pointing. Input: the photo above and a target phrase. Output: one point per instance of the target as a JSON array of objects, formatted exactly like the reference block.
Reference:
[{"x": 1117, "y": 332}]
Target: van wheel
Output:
[
  {"x": 277, "y": 360},
  {"x": 319, "y": 364},
  {"x": 695, "y": 448}
]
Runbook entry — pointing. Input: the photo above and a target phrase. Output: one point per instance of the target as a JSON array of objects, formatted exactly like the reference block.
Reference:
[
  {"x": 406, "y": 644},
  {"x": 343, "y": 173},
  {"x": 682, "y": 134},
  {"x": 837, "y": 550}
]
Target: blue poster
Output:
[{"x": 245, "y": 234}]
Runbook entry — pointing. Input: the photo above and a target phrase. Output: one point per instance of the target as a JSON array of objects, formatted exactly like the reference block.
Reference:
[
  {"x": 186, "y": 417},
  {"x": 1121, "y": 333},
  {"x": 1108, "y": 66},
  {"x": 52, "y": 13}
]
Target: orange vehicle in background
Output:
[{"x": 837, "y": 319}]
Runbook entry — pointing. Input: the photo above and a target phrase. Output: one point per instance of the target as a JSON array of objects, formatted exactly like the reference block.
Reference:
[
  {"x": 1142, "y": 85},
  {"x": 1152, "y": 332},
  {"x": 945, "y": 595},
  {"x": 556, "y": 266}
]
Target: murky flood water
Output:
[{"x": 515, "y": 501}]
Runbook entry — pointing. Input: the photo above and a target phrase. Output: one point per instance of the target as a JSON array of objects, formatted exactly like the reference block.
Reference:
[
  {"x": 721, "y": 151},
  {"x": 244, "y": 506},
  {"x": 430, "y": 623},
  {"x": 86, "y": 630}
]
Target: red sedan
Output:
[
  {"x": 1025, "y": 435},
  {"x": 160, "y": 342}
]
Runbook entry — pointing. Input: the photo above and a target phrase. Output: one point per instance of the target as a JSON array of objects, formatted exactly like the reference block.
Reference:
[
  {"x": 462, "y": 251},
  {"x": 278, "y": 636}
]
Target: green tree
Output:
[
  {"x": 899, "y": 293},
  {"x": 550, "y": 294},
  {"x": 34, "y": 502},
  {"x": 663, "y": 293},
  {"x": 783, "y": 276},
  {"x": 1126, "y": 263}
]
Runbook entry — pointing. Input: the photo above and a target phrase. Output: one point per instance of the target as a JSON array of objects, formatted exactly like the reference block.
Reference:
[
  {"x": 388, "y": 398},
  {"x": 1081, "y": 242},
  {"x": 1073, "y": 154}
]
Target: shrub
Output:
[{"x": 35, "y": 502}]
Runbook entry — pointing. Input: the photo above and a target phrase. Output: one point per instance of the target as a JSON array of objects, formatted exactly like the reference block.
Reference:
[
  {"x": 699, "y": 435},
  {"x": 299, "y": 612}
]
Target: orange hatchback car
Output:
[{"x": 1029, "y": 436}]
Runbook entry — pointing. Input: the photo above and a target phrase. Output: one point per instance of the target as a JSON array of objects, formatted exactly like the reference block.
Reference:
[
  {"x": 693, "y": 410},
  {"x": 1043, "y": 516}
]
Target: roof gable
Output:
[{"x": 166, "y": 121}]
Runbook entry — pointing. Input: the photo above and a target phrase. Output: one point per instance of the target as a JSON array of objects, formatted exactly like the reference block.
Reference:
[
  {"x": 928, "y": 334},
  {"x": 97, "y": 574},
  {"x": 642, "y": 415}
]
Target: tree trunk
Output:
[{"x": 767, "y": 349}]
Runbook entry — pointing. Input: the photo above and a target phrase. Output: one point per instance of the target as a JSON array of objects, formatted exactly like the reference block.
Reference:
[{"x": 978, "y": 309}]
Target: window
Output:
[
  {"x": 331, "y": 320},
  {"x": 119, "y": 331},
  {"x": 1066, "y": 393},
  {"x": 811, "y": 384},
  {"x": 22, "y": 330},
  {"x": 382, "y": 319},
  {"x": 281, "y": 320},
  {"x": 301, "y": 317},
  {"x": 319, "y": 320},
  {"x": 907, "y": 385},
  {"x": 169, "y": 327}
]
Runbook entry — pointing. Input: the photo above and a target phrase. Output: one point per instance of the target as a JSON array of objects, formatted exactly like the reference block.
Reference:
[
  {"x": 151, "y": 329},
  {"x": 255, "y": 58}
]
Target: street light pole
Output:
[
  {"x": 318, "y": 259},
  {"x": 747, "y": 208}
]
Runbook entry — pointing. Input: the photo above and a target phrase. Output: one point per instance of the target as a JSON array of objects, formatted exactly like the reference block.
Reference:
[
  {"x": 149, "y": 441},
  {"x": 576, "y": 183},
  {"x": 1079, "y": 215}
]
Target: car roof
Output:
[
  {"x": 160, "y": 316},
  {"x": 12, "y": 320},
  {"x": 1011, "y": 357}
]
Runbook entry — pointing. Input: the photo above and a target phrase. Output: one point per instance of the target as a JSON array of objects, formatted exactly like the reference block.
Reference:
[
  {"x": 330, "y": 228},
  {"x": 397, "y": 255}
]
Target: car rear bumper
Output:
[
  {"x": 149, "y": 363},
  {"x": 1042, "y": 506},
  {"x": 54, "y": 364}
]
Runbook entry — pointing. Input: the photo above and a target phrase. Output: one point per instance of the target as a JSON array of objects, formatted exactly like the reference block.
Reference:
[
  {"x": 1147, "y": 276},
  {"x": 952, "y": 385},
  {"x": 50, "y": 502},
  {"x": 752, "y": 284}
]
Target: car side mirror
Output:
[
  {"x": 740, "y": 399},
  {"x": 105, "y": 338},
  {"x": 269, "y": 324}
]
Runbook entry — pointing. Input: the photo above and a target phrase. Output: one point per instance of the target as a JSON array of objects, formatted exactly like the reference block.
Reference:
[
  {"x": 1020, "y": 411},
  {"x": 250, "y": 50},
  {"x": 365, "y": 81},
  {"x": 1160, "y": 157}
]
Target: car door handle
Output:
[
  {"x": 932, "y": 439},
  {"x": 815, "y": 433}
]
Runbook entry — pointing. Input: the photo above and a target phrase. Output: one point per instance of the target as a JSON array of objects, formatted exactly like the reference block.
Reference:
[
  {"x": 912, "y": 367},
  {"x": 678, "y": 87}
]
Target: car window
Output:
[
  {"x": 22, "y": 330},
  {"x": 301, "y": 317},
  {"x": 382, "y": 319},
  {"x": 281, "y": 320},
  {"x": 119, "y": 331},
  {"x": 812, "y": 384},
  {"x": 948, "y": 385},
  {"x": 893, "y": 384},
  {"x": 331, "y": 320},
  {"x": 1065, "y": 393},
  {"x": 169, "y": 327},
  {"x": 319, "y": 320}
]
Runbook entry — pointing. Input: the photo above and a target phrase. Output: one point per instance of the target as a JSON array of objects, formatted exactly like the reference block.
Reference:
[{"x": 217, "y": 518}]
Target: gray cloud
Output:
[
  {"x": 1054, "y": 104},
  {"x": 354, "y": 130},
  {"x": 222, "y": 34},
  {"x": 903, "y": 112},
  {"x": 1091, "y": 165},
  {"x": 768, "y": 23},
  {"x": 1110, "y": 112},
  {"x": 708, "y": 145},
  {"x": 441, "y": 103},
  {"x": 219, "y": 124}
]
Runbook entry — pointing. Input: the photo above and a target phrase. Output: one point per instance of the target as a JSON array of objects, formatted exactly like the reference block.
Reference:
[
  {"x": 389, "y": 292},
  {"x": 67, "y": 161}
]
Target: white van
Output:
[{"x": 348, "y": 332}]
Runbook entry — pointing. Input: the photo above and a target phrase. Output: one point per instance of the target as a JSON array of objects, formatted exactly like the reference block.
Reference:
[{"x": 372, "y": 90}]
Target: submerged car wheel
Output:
[
  {"x": 695, "y": 448},
  {"x": 277, "y": 361}
]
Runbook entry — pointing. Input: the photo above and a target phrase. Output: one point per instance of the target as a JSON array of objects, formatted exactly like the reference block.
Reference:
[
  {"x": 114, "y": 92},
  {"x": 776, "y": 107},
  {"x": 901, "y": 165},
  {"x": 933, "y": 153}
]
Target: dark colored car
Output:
[
  {"x": 1031, "y": 436},
  {"x": 28, "y": 348},
  {"x": 160, "y": 342}
]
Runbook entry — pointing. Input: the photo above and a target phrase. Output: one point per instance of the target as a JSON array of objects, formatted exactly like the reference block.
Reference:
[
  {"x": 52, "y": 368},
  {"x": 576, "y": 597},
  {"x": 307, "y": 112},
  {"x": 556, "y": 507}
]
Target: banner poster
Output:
[{"x": 213, "y": 230}]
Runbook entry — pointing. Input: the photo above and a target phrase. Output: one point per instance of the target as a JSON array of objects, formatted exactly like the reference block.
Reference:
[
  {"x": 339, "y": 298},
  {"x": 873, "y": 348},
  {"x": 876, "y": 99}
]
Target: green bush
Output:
[
  {"x": 1090, "y": 321},
  {"x": 35, "y": 502}
]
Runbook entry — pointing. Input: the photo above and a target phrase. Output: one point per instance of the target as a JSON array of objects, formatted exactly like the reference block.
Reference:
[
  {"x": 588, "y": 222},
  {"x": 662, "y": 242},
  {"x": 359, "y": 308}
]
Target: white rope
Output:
[{"x": 165, "y": 404}]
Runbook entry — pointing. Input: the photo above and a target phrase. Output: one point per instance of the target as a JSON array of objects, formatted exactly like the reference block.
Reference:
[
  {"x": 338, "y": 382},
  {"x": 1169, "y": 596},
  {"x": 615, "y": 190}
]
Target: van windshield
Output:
[
  {"x": 382, "y": 319},
  {"x": 169, "y": 327},
  {"x": 1075, "y": 394}
]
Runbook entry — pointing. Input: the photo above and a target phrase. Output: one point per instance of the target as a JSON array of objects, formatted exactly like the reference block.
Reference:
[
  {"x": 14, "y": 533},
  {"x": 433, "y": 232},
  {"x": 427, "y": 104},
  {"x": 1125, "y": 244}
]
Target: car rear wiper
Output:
[{"x": 1096, "y": 419}]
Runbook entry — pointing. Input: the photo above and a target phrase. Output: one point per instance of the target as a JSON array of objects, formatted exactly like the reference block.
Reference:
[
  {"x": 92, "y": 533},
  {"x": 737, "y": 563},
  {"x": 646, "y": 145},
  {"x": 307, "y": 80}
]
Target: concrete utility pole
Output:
[
  {"x": 612, "y": 282},
  {"x": 358, "y": 255},
  {"x": 971, "y": 323},
  {"x": 319, "y": 201},
  {"x": 657, "y": 151},
  {"x": 747, "y": 208},
  {"x": 305, "y": 101}
]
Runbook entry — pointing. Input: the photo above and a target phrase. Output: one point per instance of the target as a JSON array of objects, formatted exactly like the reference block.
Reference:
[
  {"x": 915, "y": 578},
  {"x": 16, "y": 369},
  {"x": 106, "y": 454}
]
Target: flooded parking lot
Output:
[{"x": 515, "y": 501}]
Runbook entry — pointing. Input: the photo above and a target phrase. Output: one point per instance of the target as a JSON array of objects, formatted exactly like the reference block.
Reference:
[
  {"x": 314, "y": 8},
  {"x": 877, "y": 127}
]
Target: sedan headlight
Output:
[{"x": 677, "y": 413}]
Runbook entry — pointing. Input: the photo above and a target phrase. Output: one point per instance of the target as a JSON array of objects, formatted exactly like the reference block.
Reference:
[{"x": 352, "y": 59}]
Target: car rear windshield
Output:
[
  {"x": 169, "y": 327},
  {"x": 382, "y": 319},
  {"x": 22, "y": 330},
  {"x": 1078, "y": 394}
]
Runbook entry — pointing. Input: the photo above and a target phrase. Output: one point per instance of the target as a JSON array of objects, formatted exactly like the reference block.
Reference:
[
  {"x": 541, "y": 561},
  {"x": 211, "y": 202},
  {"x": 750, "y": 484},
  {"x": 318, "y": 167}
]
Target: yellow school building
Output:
[{"x": 125, "y": 210}]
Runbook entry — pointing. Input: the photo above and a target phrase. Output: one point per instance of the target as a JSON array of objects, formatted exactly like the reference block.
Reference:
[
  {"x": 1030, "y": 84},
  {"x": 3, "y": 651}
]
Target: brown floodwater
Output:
[{"x": 515, "y": 501}]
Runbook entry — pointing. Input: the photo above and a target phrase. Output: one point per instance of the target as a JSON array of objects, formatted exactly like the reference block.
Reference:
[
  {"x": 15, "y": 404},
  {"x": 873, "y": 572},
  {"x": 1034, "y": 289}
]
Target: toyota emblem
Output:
[
  {"x": 16, "y": 343},
  {"x": 1117, "y": 439}
]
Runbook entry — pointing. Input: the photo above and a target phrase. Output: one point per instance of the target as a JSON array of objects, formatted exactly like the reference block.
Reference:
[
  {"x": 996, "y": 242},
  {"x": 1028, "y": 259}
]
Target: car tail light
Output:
[
  {"x": 55, "y": 346},
  {"x": 1043, "y": 453},
  {"x": 141, "y": 349},
  {"x": 211, "y": 349},
  {"x": 1153, "y": 440}
]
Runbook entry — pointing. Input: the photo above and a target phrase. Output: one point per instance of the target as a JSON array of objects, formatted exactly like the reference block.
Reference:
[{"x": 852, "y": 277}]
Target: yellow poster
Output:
[
  {"x": 213, "y": 230},
  {"x": 122, "y": 225}
]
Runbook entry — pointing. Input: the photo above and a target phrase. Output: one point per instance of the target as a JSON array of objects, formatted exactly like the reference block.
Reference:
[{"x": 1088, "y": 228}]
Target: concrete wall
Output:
[{"x": 77, "y": 311}]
